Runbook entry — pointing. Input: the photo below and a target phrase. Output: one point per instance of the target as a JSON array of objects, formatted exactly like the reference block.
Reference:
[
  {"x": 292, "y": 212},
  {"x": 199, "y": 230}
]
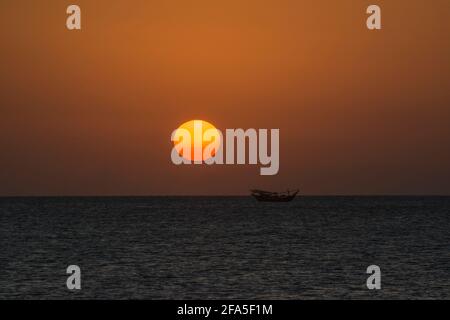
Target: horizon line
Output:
[{"x": 217, "y": 196}]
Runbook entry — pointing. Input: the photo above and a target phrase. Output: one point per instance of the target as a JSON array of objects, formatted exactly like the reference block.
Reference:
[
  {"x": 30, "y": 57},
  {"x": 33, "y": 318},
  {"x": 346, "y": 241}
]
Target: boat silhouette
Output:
[{"x": 267, "y": 196}]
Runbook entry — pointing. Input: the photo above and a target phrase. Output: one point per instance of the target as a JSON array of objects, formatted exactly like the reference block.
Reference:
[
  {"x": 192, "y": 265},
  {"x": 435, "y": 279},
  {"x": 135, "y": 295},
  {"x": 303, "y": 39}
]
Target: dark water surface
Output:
[{"x": 230, "y": 247}]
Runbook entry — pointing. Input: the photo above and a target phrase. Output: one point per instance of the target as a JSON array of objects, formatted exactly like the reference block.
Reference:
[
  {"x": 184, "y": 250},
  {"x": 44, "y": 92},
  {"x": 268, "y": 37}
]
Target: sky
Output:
[{"x": 91, "y": 112}]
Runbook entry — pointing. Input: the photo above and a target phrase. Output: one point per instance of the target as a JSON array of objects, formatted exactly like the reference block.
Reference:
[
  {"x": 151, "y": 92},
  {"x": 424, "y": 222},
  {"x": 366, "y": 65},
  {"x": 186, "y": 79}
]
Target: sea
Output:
[{"x": 225, "y": 247}]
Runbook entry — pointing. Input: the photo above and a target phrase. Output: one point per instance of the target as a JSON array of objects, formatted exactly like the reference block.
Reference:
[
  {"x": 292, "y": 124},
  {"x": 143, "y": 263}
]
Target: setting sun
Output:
[{"x": 197, "y": 128}]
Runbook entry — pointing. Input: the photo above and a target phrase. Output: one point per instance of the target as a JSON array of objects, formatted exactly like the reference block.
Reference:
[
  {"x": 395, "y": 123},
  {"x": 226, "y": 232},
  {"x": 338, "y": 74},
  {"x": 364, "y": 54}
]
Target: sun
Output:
[{"x": 198, "y": 141}]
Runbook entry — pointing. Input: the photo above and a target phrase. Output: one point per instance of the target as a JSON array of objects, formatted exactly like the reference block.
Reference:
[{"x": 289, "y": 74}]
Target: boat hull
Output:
[{"x": 274, "y": 199}]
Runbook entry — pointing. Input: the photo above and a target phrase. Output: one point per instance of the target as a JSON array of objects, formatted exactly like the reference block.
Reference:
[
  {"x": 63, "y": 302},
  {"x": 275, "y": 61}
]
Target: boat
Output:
[{"x": 266, "y": 196}]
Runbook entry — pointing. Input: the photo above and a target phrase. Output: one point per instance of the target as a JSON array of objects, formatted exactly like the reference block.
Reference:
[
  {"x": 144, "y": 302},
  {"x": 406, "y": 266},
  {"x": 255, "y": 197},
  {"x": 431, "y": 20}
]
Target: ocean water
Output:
[{"x": 225, "y": 247}]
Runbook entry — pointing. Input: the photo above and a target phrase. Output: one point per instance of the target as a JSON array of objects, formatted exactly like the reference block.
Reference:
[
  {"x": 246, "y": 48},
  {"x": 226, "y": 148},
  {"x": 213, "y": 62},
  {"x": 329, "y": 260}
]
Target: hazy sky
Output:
[{"x": 91, "y": 112}]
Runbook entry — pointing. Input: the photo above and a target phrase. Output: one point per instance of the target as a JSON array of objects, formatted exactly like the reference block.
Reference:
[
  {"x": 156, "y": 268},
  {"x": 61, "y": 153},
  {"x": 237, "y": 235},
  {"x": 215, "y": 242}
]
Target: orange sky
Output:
[{"x": 91, "y": 112}]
